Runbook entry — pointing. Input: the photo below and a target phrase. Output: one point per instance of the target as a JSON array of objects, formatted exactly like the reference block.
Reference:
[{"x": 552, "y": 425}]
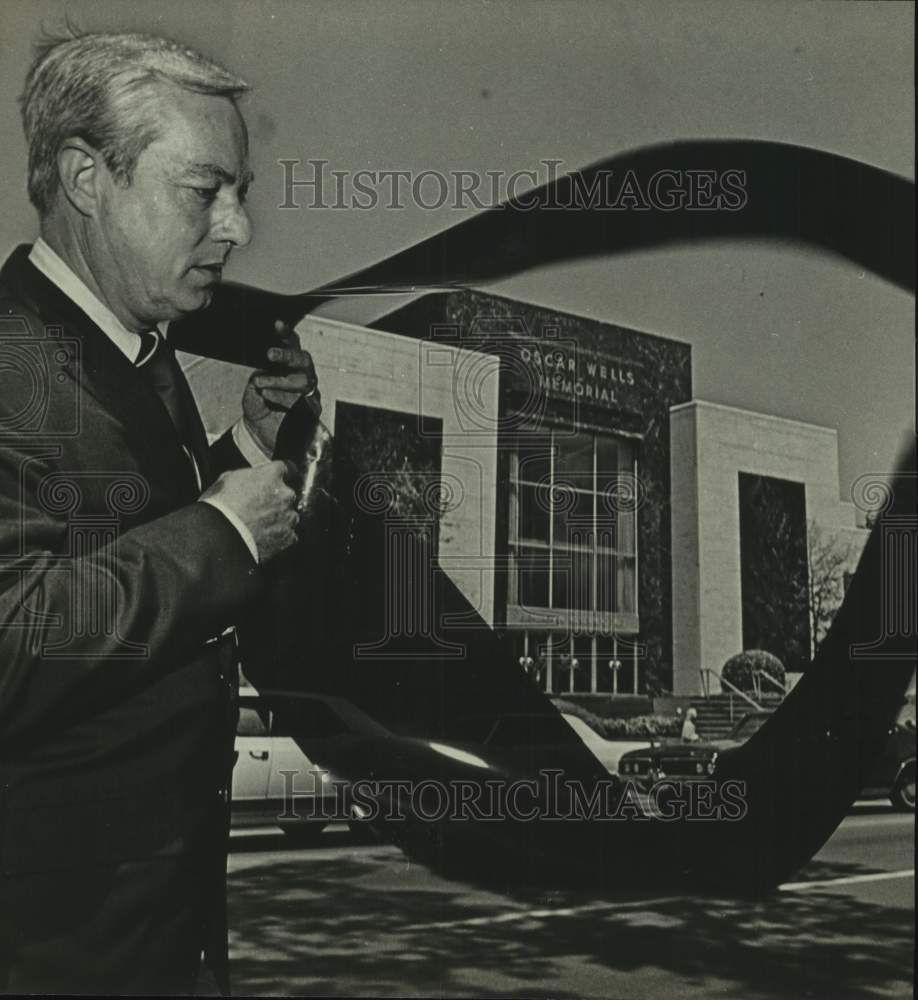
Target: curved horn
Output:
[
  {"x": 792, "y": 194},
  {"x": 803, "y": 769}
]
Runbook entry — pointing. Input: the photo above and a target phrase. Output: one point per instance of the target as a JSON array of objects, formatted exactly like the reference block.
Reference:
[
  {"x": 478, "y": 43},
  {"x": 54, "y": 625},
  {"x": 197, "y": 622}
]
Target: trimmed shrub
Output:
[
  {"x": 739, "y": 669},
  {"x": 637, "y": 727}
]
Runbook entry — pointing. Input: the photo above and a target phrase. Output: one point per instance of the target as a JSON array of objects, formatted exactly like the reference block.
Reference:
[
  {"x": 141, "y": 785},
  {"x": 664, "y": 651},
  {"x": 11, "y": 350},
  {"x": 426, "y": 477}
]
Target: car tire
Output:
[
  {"x": 303, "y": 834},
  {"x": 903, "y": 793}
]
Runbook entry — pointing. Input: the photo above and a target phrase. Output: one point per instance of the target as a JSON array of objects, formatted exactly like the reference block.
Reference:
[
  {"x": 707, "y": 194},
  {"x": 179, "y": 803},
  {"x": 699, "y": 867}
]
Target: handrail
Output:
[
  {"x": 757, "y": 676},
  {"x": 707, "y": 673}
]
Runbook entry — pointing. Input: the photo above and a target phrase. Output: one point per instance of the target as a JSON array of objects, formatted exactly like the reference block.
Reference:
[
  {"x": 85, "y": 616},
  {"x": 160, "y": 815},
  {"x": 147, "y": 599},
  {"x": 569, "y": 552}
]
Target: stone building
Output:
[{"x": 587, "y": 502}]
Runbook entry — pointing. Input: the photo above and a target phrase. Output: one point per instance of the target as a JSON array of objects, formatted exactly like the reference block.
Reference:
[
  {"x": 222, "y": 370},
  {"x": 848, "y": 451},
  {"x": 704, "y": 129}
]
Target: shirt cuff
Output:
[
  {"x": 234, "y": 520},
  {"x": 248, "y": 447}
]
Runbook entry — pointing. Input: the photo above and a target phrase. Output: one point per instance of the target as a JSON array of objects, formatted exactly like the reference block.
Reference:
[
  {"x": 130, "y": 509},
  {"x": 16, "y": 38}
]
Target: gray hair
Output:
[{"x": 96, "y": 86}]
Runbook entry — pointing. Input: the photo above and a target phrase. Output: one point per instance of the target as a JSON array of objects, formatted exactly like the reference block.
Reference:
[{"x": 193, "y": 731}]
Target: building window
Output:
[
  {"x": 773, "y": 568},
  {"x": 573, "y": 533}
]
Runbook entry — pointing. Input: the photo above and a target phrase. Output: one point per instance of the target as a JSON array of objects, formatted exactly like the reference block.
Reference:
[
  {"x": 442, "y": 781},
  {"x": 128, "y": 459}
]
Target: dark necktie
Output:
[{"x": 158, "y": 363}]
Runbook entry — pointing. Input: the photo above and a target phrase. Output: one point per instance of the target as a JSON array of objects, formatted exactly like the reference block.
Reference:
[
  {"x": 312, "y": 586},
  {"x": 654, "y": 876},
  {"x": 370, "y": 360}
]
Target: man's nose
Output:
[{"x": 234, "y": 226}]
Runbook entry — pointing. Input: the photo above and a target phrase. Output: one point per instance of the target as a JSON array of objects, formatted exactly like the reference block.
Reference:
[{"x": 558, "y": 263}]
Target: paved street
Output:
[{"x": 344, "y": 920}]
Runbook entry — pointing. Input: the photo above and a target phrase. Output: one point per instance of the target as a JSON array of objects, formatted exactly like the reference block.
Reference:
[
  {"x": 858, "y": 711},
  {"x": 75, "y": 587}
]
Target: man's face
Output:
[{"x": 159, "y": 244}]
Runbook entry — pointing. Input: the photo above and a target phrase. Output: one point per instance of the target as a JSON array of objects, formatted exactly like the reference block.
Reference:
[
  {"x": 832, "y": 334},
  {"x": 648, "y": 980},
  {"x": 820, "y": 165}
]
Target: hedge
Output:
[{"x": 637, "y": 727}]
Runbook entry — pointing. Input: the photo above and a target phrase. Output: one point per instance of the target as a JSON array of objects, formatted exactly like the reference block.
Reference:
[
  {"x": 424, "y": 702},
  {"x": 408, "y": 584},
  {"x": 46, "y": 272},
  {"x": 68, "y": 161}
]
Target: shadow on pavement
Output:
[{"x": 366, "y": 925}]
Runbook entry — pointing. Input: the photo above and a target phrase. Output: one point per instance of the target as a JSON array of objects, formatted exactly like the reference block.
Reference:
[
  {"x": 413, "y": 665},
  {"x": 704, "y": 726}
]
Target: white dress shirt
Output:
[{"x": 53, "y": 267}]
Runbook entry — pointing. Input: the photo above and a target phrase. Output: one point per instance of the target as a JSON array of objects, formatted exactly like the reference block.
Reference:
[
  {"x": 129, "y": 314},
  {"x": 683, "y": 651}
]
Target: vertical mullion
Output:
[
  {"x": 514, "y": 567},
  {"x": 549, "y": 650},
  {"x": 634, "y": 529},
  {"x": 551, "y": 517},
  {"x": 594, "y": 569}
]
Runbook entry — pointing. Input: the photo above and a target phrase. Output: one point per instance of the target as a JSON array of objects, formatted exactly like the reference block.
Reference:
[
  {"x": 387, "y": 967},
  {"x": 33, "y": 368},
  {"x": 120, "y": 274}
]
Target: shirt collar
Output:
[{"x": 53, "y": 267}]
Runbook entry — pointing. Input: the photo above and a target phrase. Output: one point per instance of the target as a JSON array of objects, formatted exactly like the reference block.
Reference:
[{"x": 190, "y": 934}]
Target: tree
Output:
[
  {"x": 828, "y": 559},
  {"x": 385, "y": 467}
]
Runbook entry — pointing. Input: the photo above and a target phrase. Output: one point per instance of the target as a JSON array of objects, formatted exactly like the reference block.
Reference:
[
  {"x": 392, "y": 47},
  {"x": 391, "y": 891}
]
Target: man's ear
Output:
[{"x": 79, "y": 171}]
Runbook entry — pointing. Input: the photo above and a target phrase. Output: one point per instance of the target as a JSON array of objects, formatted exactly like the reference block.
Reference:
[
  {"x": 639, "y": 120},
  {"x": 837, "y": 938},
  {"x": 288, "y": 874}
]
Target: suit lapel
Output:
[{"x": 109, "y": 377}]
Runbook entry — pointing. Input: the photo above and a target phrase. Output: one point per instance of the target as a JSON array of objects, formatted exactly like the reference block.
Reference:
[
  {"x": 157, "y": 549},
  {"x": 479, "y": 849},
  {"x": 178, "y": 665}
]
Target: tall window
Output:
[
  {"x": 572, "y": 527},
  {"x": 773, "y": 568}
]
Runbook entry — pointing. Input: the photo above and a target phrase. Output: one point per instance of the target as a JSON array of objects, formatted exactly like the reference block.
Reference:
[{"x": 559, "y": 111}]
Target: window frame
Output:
[{"x": 621, "y": 621}]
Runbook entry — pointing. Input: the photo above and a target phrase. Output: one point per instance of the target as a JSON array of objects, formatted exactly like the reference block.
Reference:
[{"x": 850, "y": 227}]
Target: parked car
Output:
[
  {"x": 265, "y": 749},
  {"x": 308, "y": 732},
  {"x": 893, "y": 774},
  {"x": 390, "y": 780},
  {"x": 671, "y": 758}
]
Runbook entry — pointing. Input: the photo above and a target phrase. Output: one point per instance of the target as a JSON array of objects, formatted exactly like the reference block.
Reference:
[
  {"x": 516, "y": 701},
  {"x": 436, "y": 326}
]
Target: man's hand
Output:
[
  {"x": 263, "y": 501},
  {"x": 269, "y": 394}
]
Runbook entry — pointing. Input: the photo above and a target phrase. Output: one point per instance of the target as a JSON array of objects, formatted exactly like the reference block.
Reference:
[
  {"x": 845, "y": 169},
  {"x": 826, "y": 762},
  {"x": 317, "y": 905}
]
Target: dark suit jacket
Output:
[{"x": 116, "y": 713}]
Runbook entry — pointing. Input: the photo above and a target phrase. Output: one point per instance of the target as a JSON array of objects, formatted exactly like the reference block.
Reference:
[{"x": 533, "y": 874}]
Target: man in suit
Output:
[{"x": 128, "y": 547}]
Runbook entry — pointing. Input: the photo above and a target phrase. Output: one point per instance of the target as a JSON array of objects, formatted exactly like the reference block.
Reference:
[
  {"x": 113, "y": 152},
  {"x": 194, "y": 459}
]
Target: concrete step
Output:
[{"x": 716, "y": 717}]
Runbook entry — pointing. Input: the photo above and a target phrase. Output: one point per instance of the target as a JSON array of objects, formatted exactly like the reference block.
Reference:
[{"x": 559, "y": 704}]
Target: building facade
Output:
[
  {"x": 582, "y": 557},
  {"x": 718, "y": 454},
  {"x": 586, "y": 503}
]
